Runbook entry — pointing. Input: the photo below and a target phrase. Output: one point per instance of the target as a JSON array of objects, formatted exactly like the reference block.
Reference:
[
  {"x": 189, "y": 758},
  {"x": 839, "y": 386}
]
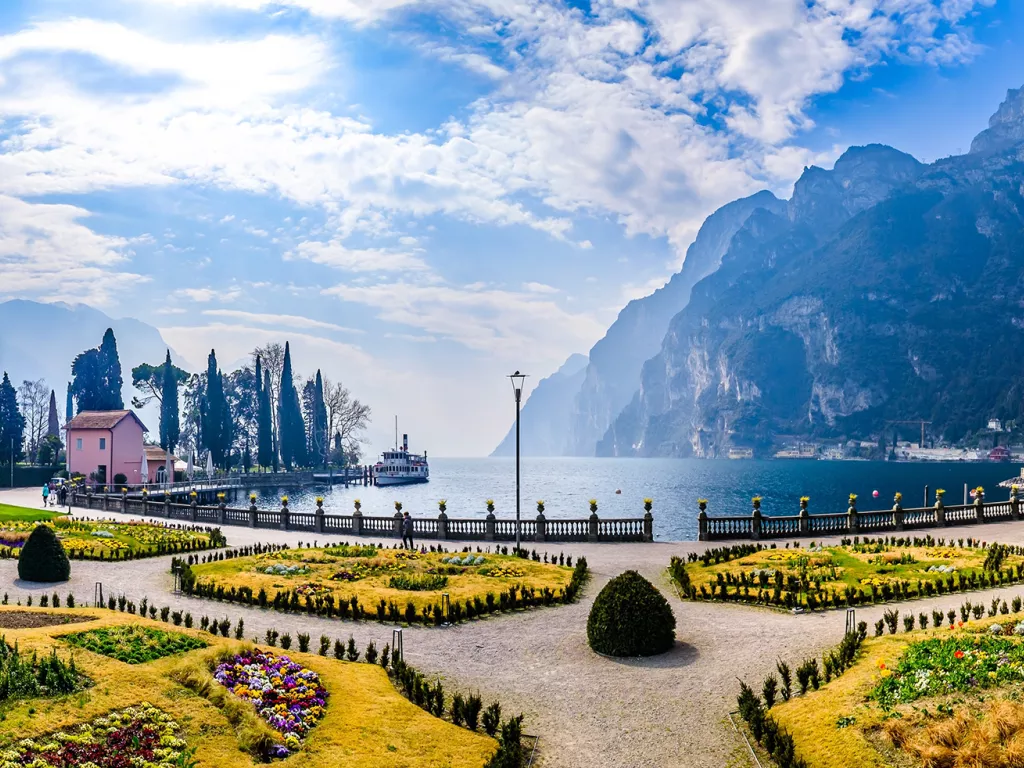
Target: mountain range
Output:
[
  {"x": 883, "y": 290},
  {"x": 40, "y": 340}
]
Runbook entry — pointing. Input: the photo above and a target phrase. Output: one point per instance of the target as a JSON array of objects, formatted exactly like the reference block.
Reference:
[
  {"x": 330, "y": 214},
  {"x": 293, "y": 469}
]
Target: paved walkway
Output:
[{"x": 589, "y": 711}]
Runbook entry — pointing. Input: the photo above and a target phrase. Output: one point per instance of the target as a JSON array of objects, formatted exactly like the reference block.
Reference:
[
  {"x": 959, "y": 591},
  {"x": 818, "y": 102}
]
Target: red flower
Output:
[{"x": 959, "y": 654}]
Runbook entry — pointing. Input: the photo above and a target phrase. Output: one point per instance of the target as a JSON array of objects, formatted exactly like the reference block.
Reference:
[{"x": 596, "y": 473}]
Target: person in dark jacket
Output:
[{"x": 407, "y": 532}]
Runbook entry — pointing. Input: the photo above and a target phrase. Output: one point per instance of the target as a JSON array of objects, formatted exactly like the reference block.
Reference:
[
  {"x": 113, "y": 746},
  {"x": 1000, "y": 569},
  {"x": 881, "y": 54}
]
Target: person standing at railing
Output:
[{"x": 407, "y": 542}]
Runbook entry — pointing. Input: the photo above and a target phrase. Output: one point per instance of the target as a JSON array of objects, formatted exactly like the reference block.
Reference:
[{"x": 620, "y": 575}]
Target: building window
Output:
[
  {"x": 103, "y": 443},
  {"x": 78, "y": 444}
]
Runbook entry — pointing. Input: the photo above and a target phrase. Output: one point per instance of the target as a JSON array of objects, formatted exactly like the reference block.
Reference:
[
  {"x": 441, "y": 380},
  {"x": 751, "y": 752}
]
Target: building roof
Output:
[
  {"x": 156, "y": 453},
  {"x": 102, "y": 420}
]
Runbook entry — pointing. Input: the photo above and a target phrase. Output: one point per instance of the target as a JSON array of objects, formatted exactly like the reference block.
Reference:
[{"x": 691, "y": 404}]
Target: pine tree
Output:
[
  {"x": 319, "y": 444},
  {"x": 170, "y": 423},
  {"x": 69, "y": 406},
  {"x": 293, "y": 429},
  {"x": 264, "y": 418},
  {"x": 53, "y": 423},
  {"x": 214, "y": 413},
  {"x": 110, "y": 373},
  {"x": 12, "y": 424}
]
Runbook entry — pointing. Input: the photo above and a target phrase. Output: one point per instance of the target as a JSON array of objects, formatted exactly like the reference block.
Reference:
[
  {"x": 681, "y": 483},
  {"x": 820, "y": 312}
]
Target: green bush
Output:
[
  {"x": 630, "y": 618},
  {"x": 43, "y": 558}
]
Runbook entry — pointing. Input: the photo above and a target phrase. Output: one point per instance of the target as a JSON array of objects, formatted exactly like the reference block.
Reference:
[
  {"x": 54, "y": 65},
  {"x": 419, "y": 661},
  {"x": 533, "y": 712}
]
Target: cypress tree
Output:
[
  {"x": 12, "y": 423},
  {"x": 110, "y": 374},
  {"x": 212, "y": 412},
  {"x": 52, "y": 422},
  {"x": 293, "y": 428},
  {"x": 265, "y": 438},
  {"x": 170, "y": 423},
  {"x": 227, "y": 426},
  {"x": 69, "y": 406},
  {"x": 320, "y": 444}
]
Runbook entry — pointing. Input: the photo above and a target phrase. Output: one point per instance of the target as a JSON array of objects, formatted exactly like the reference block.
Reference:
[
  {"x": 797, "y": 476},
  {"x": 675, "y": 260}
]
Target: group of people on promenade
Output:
[{"x": 54, "y": 494}]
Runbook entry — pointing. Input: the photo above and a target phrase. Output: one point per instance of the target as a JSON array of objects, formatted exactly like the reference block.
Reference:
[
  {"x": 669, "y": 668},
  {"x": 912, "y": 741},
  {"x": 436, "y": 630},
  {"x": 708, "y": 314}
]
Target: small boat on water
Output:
[{"x": 399, "y": 467}]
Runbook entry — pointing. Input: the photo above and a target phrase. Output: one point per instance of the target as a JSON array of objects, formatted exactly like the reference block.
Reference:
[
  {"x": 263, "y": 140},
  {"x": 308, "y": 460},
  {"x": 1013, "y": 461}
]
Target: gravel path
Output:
[{"x": 588, "y": 710}]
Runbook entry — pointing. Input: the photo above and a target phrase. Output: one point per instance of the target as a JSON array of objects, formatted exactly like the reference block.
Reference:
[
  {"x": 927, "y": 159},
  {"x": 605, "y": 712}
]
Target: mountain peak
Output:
[{"x": 1005, "y": 127}]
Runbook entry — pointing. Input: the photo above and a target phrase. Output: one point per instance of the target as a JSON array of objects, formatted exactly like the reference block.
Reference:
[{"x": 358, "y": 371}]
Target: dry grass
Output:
[
  {"x": 368, "y": 723},
  {"x": 468, "y": 583}
]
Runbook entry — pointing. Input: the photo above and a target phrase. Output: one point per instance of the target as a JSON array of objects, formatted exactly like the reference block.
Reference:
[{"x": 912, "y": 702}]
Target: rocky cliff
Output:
[
  {"x": 544, "y": 419},
  {"x": 613, "y": 372},
  {"x": 889, "y": 291}
]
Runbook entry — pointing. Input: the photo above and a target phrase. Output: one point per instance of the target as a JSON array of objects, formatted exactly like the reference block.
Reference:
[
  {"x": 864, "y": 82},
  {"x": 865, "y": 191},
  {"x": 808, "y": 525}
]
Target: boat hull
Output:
[{"x": 383, "y": 480}]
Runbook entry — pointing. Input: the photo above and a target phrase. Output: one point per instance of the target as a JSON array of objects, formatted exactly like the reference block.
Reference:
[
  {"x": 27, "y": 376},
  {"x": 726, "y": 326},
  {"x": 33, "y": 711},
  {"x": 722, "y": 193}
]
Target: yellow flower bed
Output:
[
  {"x": 368, "y": 578},
  {"x": 367, "y": 723}
]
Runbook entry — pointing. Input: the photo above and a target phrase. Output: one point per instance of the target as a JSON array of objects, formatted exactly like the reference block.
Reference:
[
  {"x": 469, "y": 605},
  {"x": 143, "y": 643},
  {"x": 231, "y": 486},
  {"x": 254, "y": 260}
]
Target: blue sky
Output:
[{"x": 423, "y": 196}]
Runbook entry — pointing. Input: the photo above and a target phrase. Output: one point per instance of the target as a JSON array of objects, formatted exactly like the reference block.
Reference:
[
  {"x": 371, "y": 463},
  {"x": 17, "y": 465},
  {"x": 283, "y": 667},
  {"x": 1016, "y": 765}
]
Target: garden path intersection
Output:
[{"x": 659, "y": 712}]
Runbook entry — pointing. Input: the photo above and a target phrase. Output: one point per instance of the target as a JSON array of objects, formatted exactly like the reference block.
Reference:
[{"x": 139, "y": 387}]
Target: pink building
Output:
[
  {"x": 105, "y": 444},
  {"x": 156, "y": 460}
]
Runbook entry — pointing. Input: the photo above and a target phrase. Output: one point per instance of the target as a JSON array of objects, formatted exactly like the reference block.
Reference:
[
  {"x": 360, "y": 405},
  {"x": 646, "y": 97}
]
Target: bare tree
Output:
[
  {"x": 34, "y": 402},
  {"x": 346, "y": 417}
]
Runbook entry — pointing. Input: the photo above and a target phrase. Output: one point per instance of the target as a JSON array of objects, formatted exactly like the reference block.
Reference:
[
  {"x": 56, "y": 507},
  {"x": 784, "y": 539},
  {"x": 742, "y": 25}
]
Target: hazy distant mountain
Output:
[
  {"x": 613, "y": 371},
  {"x": 544, "y": 420},
  {"x": 39, "y": 341},
  {"x": 891, "y": 290}
]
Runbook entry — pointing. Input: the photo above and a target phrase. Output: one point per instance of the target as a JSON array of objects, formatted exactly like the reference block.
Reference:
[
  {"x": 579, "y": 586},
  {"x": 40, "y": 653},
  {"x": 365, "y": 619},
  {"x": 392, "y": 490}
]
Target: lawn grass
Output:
[
  {"x": 851, "y": 574},
  {"x": 376, "y": 571},
  {"x": 368, "y": 724},
  {"x": 12, "y": 514}
]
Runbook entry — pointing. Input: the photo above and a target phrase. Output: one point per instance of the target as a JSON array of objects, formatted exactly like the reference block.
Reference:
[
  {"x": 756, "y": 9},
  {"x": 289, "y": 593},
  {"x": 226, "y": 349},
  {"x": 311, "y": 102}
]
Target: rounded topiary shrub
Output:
[
  {"x": 630, "y": 618},
  {"x": 42, "y": 558}
]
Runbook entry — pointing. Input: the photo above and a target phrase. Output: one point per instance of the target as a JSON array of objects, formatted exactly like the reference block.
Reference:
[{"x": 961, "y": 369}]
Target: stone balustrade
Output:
[
  {"x": 757, "y": 526},
  {"x": 541, "y": 529}
]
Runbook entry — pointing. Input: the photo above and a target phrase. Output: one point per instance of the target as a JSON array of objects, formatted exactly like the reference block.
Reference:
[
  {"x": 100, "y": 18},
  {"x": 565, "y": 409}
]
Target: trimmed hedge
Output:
[
  {"x": 630, "y": 617},
  {"x": 43, "y": 558}
]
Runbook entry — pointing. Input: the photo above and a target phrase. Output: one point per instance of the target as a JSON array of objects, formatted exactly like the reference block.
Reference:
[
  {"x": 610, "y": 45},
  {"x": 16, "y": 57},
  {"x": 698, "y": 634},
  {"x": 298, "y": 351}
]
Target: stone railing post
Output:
[
  {"x": 979, "y": 507},
  {"x": 542, "y": 528},
  {"x": 755, "y": 521},
  {"x": 648, "y": 525},
  {"x": 940, "y": 512},
  {"x": 106, "y": 500},
  {"x": 357, "y": 522},
  {"x": 193, "y": 509},
  {"x": 398, "y": 525},
  {"x": 594, "y": 528},
  {"x": 319, "y": 516},
  {"x": 285, "y": 514},
  {"x": 167, "y": 505},
  {"x": 489, "y": 527},
  {"x": 852, "y": 517},
  {"x": 442, "y": 526},
  {"x": 222, "y": 513},
  {"x": 88, "y": 497},
  {"x": 252, "y": 512},
  {"x": 702, "y": 521},
  {"x": 897, "y": 515},
  {"x": 1014, "y": 503},
  {"x": 805, "y": 518}
]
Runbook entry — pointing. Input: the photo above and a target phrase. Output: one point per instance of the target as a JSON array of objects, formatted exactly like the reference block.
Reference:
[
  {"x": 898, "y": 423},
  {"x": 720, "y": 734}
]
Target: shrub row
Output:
[
  {"x": 215, "y": 541},
  {"x": 516, "y": 596}
]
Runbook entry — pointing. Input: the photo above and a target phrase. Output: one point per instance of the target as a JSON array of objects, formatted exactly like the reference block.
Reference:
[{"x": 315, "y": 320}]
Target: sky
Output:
[{"x": 425, "y": 195}]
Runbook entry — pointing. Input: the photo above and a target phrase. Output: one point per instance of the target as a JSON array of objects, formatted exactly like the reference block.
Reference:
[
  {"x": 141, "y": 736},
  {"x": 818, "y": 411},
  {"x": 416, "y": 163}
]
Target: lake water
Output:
[{"x": 566, "y": 486}]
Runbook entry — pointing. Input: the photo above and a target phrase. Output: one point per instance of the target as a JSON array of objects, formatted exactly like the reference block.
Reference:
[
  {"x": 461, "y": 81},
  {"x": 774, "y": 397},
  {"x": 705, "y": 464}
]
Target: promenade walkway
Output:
[{"x": 664, "y": 712}]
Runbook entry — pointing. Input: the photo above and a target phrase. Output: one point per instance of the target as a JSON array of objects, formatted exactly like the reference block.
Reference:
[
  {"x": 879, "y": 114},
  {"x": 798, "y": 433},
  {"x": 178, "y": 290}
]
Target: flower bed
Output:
[
  {"x": 137, "y": 736},
  {"x": 133, "y": 644},
  {"x": 857, "y": 572},
  {"x": 25, "y": 677},
  {"x": 391, "y": 584},
  {"x": 107, "y": 540},
  {"x": 287, "y": 696}
]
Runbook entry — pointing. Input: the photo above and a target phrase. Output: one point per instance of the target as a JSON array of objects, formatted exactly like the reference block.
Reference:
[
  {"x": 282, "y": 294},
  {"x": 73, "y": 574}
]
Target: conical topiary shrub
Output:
[
  {"x": 630, "y": 618},
  {"x": 42, "y": 558}
]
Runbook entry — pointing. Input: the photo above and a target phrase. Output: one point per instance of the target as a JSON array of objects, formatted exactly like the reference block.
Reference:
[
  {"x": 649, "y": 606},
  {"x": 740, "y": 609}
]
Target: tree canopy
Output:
[
  {"x": 292, "y": 427},
  {"x": 170, "y": 424},
  {"x": 12, "y": 424},
  {"x": 97, "y": 377},
  {"x": 149, "y": 379},
  {"x": 214, "y": 414}
]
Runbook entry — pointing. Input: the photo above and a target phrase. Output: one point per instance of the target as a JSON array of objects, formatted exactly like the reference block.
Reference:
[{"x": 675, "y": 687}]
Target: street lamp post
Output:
[{"x": 517, "y": 387}]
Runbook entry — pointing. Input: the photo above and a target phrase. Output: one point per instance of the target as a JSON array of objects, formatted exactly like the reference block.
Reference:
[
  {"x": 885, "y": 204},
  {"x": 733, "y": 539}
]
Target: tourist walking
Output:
[
  {"x": 407, "y": 532},
  {"x": 46, "y": 494},
  {"x": 62, "y": 494}
]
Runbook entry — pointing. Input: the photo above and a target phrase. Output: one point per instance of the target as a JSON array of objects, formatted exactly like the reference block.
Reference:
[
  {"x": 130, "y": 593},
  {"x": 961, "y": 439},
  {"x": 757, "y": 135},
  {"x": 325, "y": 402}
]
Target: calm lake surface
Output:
[{"x": 566, "y": 486}]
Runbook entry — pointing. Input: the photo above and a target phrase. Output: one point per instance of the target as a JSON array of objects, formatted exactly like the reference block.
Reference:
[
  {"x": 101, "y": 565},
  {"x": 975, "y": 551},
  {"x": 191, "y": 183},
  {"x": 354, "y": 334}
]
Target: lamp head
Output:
[{"x": 517, "y": 382}]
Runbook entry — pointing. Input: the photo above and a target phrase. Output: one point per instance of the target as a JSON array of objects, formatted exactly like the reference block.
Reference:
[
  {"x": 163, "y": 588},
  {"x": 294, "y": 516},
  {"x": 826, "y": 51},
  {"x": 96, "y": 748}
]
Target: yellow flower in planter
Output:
[
  {"x": 805, "y": 498},
  {"x": 319, "y": 499},
  {"x": 284, "y": 499},
  {"x": 221, "y": 496}
]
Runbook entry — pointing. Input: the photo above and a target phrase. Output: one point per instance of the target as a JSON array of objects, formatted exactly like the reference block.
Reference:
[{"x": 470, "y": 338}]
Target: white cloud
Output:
[
  {"x": 206, "y": 295},
  {"x": 336, "y": 254},
  {"x": 540, "y": 288},
  {"x": 282, "y": 321}
]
